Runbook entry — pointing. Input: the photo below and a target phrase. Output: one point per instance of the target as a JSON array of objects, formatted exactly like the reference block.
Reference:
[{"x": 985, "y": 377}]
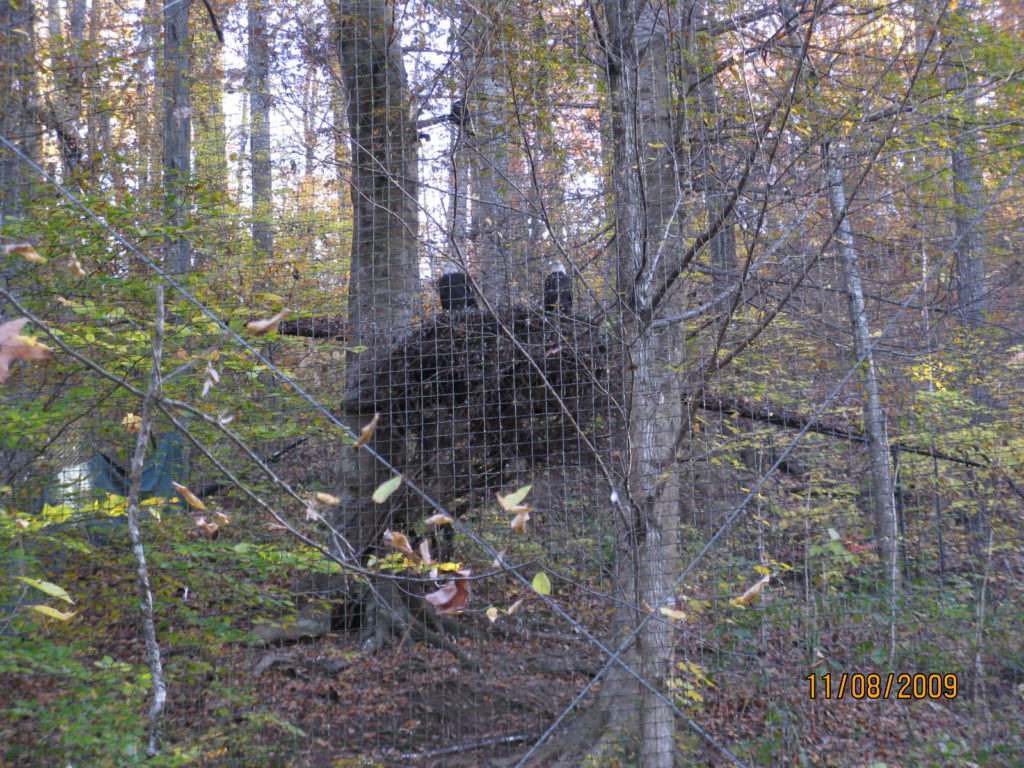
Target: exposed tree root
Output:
[{"x": 603, "y": 734}]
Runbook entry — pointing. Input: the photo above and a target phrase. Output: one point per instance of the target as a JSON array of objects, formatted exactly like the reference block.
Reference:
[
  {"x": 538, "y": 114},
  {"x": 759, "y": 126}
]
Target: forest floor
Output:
[{"x": 326, "y": 703}]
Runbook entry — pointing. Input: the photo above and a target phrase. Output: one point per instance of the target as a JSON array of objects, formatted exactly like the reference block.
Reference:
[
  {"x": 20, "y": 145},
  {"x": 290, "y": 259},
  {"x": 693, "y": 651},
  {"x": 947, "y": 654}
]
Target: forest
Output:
[{"x": 537, "y": 384}]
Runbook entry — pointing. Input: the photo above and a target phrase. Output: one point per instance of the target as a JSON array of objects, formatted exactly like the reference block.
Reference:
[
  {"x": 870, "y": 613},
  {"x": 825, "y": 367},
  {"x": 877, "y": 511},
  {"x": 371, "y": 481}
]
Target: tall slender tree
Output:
[
  {"x": 177, "y": 144},
  {"x": 257, "y": 75}
]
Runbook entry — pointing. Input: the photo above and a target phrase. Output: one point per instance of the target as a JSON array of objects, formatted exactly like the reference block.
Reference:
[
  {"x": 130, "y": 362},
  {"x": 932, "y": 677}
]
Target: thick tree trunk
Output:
[
  {"x": 258, "y": 72},
  {"x": 384, "y": 279},
  {"x": 177, "y": 157},
  {"x": 884, "y": 509},
  {"x": 647, "y": 200}
]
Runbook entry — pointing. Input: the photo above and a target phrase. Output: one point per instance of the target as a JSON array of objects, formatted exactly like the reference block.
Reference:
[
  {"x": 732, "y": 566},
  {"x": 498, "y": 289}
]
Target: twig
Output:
[{"x": 516, "y": 737}]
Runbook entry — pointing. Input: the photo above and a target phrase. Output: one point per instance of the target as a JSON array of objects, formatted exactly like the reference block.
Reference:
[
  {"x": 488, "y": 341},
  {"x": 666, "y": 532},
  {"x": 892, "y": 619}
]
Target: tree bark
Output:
[
  {"x": 647, "y": 200},
  {"x": 883, "y": 504},
  {"x": 258, "y": 72},
  {"x": 971, "y": 287},
  {"x": 384, "y": 279},
  {"x": 496, "y": 229},
  {"x": 18, "y": 106},
  {"x": 177, "y": 158}
]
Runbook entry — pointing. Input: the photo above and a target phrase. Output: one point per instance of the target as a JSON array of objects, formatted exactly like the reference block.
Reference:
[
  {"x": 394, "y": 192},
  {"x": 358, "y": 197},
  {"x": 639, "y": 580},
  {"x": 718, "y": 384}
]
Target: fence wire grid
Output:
[{"x": 546, "y": 384}]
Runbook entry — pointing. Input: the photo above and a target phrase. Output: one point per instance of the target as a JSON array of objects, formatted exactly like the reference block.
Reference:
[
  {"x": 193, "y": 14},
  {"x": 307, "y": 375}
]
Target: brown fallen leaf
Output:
[
  {"x": 270, "y": 324},
  {"x": 14, "y": 346},
  {"x": 453, "y": 596}
]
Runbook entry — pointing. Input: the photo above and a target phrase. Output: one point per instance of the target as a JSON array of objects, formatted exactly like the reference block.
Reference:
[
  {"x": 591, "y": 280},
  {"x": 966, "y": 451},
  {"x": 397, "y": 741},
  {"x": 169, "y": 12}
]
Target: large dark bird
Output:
[
  {"x": 455, "y": 293},
  {"x": 558, "y": 292},
  {"x": 460, "y": 116}
]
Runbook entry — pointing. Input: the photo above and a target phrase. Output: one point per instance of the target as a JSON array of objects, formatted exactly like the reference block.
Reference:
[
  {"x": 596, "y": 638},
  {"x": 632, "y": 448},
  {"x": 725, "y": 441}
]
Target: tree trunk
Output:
[
  {"x": 177, "y": 162},
  {"x": 384, "y": 184},
  {"x": 18, "y": 107},
  {"x": 208, "y": 96},
  {"x": 967, "y": 196},
  {"x": 647, "y": 199},
  {"x": 874, "y": 416},
  {"x": 496, "y": 228},
  {"x": 258, "y": 72},
  {"x": 711, "y": 161},
  {"x": 18, "y": 110}
]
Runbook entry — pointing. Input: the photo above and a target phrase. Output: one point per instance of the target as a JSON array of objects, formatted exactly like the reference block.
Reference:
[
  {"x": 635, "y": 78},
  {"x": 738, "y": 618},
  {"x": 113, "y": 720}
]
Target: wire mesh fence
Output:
[{"x": 545, "y": 385}]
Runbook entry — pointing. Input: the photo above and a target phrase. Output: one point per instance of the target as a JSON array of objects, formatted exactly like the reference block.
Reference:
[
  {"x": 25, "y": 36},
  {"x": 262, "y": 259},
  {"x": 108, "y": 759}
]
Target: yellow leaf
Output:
[
  {"x": 541, "y": 584},
  {"x": 673, "y": 613},
  {"x": 438, "y": 519},
  {"x": 513, "y": 500},
  {"x": 384, "y": 490},
  {"x": 49, "y": 588},
  {"x": 193, "y": 501},
  {"x": 326, "y": 498},
  {"x": 53, "y": 613},
  {"x": 132, "y": 422},
  {"x": 748, "y": 597},
  {"x": 492, "y": 614},
  {"x": 515, "y": 606}
]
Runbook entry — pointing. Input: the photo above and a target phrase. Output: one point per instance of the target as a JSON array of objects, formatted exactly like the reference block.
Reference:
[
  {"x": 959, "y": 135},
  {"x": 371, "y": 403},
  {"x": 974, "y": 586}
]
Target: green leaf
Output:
[
  {"x": 514, "y": 499},
  {"x": 385, "y": 490},
  {"x": 541, "y": 584},
  {"x": 49, "y": 588}
]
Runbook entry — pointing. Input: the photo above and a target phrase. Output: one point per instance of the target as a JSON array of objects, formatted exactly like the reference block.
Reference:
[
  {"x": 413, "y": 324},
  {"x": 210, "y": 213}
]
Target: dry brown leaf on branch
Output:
[
  {"x": 26, "y": 252},
  {"x": 425, "y": 555},
  {"x": 453, "y": 596},
  {"x": 399, "y": 541},
  {"x": 76, "y": 267},
  {"x": 367, "y": 432},
  {"x": 14, "y": 346},
  {"x": 209, "y": 529},
  {"x": 520, "y": 520},
  {"x": 270, "y": 324}
]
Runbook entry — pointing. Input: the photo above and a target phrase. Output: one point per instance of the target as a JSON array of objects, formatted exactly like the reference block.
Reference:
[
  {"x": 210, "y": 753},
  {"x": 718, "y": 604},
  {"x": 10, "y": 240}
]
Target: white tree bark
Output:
[{"x": 884, "y": 508}]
